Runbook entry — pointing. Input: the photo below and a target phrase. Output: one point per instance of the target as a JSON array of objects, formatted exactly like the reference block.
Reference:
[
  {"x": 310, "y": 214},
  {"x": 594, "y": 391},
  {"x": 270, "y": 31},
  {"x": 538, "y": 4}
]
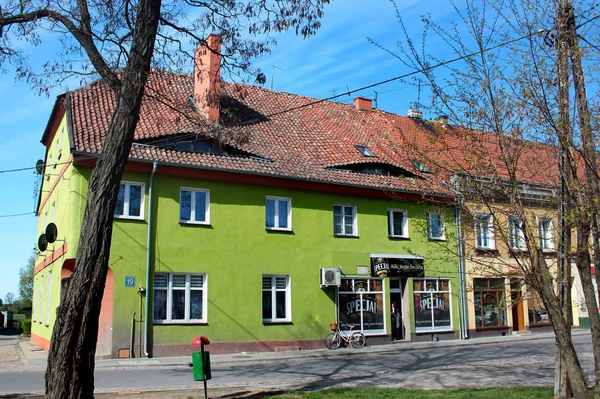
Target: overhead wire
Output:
[{"x": 346, "y": 93}]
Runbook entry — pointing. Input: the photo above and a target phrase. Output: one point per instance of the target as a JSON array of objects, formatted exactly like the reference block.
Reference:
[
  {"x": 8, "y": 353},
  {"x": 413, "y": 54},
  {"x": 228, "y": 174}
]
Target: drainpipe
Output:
[
  {"x": 461, "y": 273},
  {"x": 148, "y": 262}
]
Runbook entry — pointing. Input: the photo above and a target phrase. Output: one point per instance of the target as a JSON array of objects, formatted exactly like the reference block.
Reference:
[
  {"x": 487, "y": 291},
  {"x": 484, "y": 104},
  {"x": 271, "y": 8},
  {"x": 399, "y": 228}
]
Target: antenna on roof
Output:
[
  {"x": 374, "y": 91},
  {"x": 419, "y": 93},
  {"x": 347, "y": 89},
  {"x": 273, "y": 73},
  {"x": 333, "y": 92}
]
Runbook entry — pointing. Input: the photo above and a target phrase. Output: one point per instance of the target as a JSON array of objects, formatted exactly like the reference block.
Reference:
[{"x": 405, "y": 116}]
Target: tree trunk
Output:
[
  {"x": 562, "y": 331},
  {"x": 71, "y": 360}
]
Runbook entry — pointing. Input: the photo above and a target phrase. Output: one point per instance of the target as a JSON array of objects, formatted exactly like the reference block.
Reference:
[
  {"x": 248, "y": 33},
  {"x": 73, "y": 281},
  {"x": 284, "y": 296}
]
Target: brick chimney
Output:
[
  {"x": 207, "y": 78},
  {"x": 363, "y": 103}
]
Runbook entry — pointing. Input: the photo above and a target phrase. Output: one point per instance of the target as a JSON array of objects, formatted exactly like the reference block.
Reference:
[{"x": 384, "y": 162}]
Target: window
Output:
[
  {"x": 194, "y": 206},
  {"x": 40, "y": 300},
  {"x": 546, "y": 234},
  {"x": 484, "y": 230},
  {"x": 130, "y": 202},
  {"x": 516, "y": 237},
  {"x": 361, "y": 304},
  {"x": 435, "y": 226},
  {"x": 344, "y": 220},
  {"x": 48, "y": 298},
  {"x": 278, "y": 213},
  {"x": 365, "y": 151},
  {"x": 490, "y": 302},
  {"x": 421, "y": 167},
  {"x": 397, "y": 223},
  {"x": 58, "y": 145},
  {"x": 536, "y": 309},
  {"x": 432, "y": 304},
  {"x": 276, "y": 300},
  {"x": 34, "y": 304},
  {"x": 179, "y": 298}
]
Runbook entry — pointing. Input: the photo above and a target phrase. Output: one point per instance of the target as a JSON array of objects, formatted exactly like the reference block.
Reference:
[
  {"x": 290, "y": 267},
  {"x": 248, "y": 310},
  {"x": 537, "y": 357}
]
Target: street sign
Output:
[{"x": 129, "y": 281}]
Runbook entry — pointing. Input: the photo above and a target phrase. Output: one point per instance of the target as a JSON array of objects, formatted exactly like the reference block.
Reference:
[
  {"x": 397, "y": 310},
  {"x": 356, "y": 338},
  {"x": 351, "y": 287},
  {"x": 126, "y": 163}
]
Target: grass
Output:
[{"x": 395, "y": 393}]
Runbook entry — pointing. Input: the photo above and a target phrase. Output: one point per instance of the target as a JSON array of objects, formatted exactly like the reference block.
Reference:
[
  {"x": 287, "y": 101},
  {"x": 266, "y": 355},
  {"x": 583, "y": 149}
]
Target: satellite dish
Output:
[
  {"x": 51, "y": 233},
  {"x": 42, "y": 243},
  {"x": 39, "y": 167}
]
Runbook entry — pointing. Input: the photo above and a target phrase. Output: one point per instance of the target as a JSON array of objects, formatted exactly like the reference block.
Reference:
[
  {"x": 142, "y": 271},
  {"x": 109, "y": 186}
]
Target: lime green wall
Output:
[
  {"x": 64, "y": 192},
  {"x": 236, "y": 250}
]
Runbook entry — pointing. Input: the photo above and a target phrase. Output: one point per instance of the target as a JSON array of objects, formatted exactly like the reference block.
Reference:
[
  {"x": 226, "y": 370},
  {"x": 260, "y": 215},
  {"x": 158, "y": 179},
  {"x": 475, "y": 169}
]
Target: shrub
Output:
[{"x": 27, "y": 326}]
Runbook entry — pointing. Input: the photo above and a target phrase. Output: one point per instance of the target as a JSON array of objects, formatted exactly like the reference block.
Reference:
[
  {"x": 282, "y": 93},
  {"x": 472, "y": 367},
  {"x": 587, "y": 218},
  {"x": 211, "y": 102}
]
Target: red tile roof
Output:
[{"x": 303, "y": 144}]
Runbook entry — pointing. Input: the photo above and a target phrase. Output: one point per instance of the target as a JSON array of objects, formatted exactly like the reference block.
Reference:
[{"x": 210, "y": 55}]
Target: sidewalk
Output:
[{"x": 34, "y": 356}]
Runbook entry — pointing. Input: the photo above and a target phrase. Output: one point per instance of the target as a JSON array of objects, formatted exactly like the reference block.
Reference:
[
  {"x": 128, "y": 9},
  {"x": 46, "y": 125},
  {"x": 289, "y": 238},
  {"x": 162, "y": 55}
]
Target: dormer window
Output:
[
  {"x": 421, "y": 167},
  {"x": 365, "y": 151}
]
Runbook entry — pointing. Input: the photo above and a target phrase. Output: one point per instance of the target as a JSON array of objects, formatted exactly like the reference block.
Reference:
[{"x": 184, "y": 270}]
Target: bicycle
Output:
[{"x": 334, "y": 340}]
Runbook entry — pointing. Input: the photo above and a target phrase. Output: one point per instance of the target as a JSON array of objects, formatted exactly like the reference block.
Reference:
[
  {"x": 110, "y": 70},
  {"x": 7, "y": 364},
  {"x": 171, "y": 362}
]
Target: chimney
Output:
[
  {"x": 207, "y": 78},
  {"x": 363, "y": 103}
]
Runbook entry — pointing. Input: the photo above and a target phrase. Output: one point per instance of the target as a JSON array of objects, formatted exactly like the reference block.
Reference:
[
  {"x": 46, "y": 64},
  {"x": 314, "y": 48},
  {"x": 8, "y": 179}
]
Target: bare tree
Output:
[
  {"x": 119, "y": 41},
  {"x": 508, "y": 89}
]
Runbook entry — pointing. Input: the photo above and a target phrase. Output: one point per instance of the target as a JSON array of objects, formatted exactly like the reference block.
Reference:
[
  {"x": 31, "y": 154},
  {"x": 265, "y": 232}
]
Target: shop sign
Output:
[{"x": 397, "y": 267}]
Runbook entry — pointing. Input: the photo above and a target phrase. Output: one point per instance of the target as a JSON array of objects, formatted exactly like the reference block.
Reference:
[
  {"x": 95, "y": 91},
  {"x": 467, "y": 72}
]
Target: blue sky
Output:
[{"x": 337, "y": 58}]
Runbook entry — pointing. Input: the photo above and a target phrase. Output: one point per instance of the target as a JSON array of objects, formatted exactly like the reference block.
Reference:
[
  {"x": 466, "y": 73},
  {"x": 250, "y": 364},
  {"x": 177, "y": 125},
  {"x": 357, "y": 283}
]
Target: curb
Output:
[{"x": 26, "y": 348}]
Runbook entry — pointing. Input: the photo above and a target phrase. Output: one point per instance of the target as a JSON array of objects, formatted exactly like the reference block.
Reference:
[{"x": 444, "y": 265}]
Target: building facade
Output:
[{"x": 257, "y": 235}]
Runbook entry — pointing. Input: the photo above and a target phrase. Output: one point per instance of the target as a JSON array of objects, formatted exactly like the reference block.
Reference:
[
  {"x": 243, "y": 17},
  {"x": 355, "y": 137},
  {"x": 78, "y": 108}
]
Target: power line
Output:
[
  {"x": 333, "y": 97},
  {"x": 17, "y": 214}
]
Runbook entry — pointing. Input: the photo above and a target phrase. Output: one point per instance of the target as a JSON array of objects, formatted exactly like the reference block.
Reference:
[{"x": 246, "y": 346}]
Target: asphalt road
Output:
[{"x": 515, "y": 363}]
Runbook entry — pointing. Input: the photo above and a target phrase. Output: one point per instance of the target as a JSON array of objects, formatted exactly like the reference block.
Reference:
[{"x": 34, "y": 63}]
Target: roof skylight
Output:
[
  {"x": 365, "y": 151},
  {"x": 420, "y": 165}
]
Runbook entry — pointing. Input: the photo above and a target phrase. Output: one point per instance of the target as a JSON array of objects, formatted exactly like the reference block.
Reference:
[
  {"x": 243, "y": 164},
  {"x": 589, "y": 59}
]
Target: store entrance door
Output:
[
  {"x": 517, "y": 311},
  {"x": 516, "y": 299},
  {"x": 395, "y": 315}
]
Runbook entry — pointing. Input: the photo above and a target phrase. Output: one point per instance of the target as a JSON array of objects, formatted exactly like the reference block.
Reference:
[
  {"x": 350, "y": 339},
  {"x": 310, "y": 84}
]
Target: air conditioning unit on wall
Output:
[{"x": 330, "y": 277}]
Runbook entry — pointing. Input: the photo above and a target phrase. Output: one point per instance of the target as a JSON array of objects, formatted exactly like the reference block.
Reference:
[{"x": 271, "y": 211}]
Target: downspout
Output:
[
  {"x": 148, "y": 262},
  {"x": 461, "y": 272}
]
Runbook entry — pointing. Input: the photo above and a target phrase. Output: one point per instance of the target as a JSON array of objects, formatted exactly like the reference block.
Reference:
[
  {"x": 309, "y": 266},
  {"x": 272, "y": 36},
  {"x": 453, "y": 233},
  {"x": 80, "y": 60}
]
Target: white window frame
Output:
[
  {"x": 438, "y": 290},
  {"x": 361, "y": 293},
  {"x": 546, "y": 236},
  {"x": 48, "y": 298},
  {"x": 41, "y": 299},
  {"x": 440, "y": 216},
  {"x": 125, "y": 214},
  {"x": 188, "y": 289},
  {"x": 288, "y": 298},
  {"x": 512, "y": 222},
  {"x": 354, "y": 220},
  {"x": 34, "y": 299},
  {"x": 390, "y": 216},
  {"x": 193, "y": 220},
  {"x": 278, "y": 200},
  {"x": 490, "y": 228}
]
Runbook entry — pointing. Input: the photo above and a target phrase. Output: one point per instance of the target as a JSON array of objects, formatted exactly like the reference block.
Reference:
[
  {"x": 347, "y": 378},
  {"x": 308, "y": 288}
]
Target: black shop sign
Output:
[{"x": 409, "y": 266}]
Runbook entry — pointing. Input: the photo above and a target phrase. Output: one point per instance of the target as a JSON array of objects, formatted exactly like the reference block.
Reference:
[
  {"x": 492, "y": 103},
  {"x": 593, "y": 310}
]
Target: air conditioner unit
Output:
[{"x": 331, "y": 277}]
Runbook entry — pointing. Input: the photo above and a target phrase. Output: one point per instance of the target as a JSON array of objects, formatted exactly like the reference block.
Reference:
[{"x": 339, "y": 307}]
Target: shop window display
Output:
[
  {"x": 537, "y": 311},
  {"x": 432, "y": 305},
  {"x": 361, "y": 304},
  {"x": 490, "y": 302}
]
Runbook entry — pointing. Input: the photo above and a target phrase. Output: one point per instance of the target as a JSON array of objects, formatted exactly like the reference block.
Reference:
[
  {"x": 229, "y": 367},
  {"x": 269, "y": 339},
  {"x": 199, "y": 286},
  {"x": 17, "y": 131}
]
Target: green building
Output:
[{"x": 255, "y": 221}]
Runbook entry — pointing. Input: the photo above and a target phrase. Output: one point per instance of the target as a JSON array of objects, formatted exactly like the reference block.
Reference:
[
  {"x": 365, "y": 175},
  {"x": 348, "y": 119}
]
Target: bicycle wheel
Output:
[
  {"x": 332, "y": 341},
  {"x": 358, "y": 340}
]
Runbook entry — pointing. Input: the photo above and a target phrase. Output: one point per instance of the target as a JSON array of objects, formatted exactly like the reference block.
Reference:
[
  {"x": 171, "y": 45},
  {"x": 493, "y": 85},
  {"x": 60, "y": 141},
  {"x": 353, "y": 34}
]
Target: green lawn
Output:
[{"x": 395, "y": 393}]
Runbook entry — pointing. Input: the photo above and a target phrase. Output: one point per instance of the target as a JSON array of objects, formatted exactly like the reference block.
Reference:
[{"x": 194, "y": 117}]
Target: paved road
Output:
[{"x": 510, "y": 363}]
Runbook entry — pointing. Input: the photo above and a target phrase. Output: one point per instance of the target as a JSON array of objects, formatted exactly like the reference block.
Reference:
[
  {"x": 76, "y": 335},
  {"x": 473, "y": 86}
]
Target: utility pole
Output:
[
  {"x": 588, "y": 221},
  {"x": 565, "y": 134}
]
